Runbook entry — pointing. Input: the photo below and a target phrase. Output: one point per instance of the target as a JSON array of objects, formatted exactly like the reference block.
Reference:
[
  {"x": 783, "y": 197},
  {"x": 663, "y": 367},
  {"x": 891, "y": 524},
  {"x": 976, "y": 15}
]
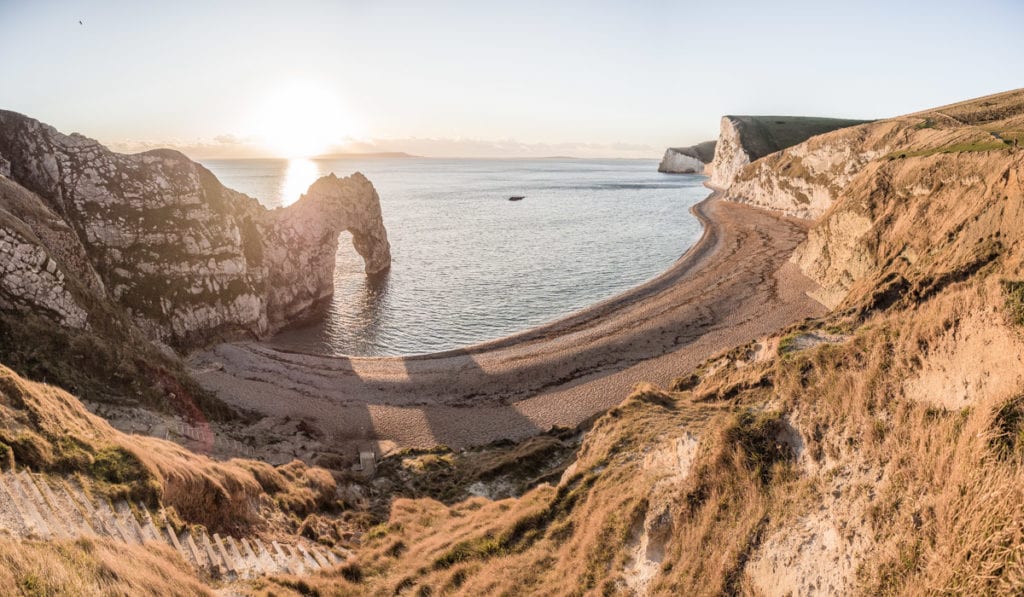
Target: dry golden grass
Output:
[
  {"x": 88, "y": 567},
  {"x": 906, "y": 430},
  {"x": 47, "y": 429},
  {"x": 902, "y": 436}
]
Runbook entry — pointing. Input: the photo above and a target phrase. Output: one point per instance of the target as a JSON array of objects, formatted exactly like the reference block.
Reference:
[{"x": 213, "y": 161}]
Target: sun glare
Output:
[
  {"x": 300, "y": 174},
  {"x": 301, "y": 120}
]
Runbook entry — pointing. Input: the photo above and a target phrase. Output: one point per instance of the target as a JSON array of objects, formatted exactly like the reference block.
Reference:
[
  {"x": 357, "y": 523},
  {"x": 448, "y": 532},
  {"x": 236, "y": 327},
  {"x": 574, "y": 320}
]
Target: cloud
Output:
[
  {"x": 221, "y": 146},
  {"x": 228, "y": 145},
  {"x": 502, "y": 148}
]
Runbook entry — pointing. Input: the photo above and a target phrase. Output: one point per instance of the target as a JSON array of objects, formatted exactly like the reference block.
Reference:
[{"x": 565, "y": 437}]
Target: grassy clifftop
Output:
[{"x": 762, "y": 135}]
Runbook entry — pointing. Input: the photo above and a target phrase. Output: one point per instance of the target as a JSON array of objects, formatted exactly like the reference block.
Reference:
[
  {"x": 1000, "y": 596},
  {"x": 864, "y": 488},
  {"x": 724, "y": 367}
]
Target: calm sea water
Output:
[{"x": 471, "y": 266}]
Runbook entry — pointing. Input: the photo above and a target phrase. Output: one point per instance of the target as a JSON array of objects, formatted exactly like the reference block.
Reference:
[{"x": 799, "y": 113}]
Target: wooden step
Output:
[
  {"x": 333, "y": 557},
  {"x": 295, "y": 560},
  {"x": 32, "y": 514},
  {"x": 218, "y": 567},
  {"x": 270, "y": 565},
  {"x": 242, "y": 563},
  {"x": 172, "y": 540},
  {"x": 114, "y": 522},
  {"x": 59, "y": 523},
  {"x": 198, "y": 556},
  {"x": 254, "y": 560},
  {"x": 308, "y": 559},
  {"x": 320, "y": 558},
  {"x": 75, "y": 494},
  {"x": 11, "y": 512},
  {"x": 127, "y": 518},
  {"x": 76, "y": 519},
  {"x": 282, "y": 559},
  {"x": 148, "y": 526},
  {"x": 225, "y": 557}
]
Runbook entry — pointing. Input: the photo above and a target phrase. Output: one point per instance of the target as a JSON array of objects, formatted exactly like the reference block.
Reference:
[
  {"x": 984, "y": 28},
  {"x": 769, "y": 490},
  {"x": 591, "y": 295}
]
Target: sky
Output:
[{"x": 487, "y": 79}]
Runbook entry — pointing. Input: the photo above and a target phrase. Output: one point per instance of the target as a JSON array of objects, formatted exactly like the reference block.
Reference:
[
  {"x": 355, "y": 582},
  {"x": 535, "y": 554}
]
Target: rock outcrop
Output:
[
  {"x": 745, "y": 139},
  {"x": 687, "y": 160},
  {"x": 940, "y": 156},
  {"x": 158, "y": 235}
]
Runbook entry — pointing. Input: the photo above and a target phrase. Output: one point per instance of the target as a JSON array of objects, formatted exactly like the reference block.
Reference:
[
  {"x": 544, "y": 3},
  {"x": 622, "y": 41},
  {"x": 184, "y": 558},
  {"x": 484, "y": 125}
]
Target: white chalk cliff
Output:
[
  {"x": 687, "y": 160},
  {"x": 745, "y": 139}
]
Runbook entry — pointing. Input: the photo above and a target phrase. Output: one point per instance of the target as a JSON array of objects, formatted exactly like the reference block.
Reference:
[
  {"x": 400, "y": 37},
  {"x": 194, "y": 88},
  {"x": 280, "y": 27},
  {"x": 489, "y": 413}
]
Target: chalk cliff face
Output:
[
  {"x": 744, "y": 139},
  {"x": 959, "y": 157},
  {"x": 687, "y": 160},
  {"x": 157, "y": 234},
  {"x": 730, "y": 156}
]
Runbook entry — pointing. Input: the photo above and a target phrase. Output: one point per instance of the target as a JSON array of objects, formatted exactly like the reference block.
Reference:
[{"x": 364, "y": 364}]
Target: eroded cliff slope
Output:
[{"x": 745, "y": 139}]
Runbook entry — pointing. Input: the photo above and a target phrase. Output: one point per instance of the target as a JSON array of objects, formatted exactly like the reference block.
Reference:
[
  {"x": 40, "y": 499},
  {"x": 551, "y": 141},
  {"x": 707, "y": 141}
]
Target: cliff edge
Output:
[
  {"x": 745, "y": 139},
  {"x": 158, "y": 235},
  {"x": 687, "y": 160}
]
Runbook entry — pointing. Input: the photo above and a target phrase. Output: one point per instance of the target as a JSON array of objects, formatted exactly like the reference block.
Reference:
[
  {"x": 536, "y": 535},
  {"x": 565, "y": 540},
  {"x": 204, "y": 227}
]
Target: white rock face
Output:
[
  {"x": 30, "y": 281},
  {"x": 188, "y": 258},
  {"x": 688, "y": 160},
  {"x": 730, "y": 157},
  {"x": 748, "y": 139},
  {"x": 802, "y": 181},
  {"x": 676, "y": 162}
]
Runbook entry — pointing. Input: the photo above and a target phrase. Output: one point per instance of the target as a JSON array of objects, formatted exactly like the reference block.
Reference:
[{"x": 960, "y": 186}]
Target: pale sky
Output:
[{"x": 482, "y": 78}]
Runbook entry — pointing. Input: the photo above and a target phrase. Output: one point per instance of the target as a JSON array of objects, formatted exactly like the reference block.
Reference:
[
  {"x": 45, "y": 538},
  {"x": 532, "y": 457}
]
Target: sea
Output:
[{"x": 468, "y": 264}]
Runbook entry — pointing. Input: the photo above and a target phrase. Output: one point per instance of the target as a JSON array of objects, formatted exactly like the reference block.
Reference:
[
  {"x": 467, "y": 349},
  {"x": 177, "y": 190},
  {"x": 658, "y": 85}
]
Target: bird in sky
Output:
[{"x": 79, "y": 22}]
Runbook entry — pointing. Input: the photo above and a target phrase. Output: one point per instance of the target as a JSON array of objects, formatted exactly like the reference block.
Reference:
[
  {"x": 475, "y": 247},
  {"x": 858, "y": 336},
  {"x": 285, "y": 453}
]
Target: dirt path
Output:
[{"x": 733, "y": 286}]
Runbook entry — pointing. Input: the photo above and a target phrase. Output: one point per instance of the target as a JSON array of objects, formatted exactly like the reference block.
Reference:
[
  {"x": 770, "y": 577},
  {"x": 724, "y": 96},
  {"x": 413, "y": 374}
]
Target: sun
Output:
[{"x": 301, "y": 120}]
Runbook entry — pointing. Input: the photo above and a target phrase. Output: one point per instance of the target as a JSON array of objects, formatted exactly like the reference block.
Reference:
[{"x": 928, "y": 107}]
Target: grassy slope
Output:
[
  {"x": 88, "y": 567},
  {"x": 44, "y": 429},
  {"x": 762, "y": 135},
  {"x": 47, "y": 430},
  {"x": 914, "y": 460}
]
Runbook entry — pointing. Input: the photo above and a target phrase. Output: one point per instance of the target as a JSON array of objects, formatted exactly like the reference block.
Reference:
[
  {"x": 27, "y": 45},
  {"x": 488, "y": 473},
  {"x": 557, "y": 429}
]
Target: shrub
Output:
[
  {"x": 6, "y": 457},
  {"x": 1013, "y": 290}
]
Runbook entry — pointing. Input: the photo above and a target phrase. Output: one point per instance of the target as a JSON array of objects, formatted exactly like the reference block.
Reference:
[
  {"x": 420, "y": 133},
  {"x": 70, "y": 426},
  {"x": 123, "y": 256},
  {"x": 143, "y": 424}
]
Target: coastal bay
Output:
[{"x": 733, "y": 286}]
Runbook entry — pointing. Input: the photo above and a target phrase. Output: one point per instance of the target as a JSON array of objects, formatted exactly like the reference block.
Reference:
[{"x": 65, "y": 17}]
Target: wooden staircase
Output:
[{"x": 40, "y": 507}]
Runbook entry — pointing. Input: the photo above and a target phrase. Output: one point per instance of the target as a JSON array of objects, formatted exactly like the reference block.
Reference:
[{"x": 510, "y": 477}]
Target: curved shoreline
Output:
[
  {"x": 580, "y": 317},
  {"x": 732, "y": 286}
]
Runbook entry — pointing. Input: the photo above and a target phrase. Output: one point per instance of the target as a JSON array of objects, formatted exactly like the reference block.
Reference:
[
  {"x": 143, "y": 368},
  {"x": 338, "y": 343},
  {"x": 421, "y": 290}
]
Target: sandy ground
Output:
[{"x": 733, "y": 286}]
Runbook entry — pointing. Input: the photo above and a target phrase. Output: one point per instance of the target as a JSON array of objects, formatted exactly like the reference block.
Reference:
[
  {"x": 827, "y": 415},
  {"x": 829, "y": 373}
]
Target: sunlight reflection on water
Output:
[{"x": 300, "y": 174}]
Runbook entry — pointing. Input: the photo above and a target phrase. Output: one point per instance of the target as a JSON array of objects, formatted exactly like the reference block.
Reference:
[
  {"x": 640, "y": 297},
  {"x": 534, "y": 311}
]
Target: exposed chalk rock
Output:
[
  {"x": 745, "y": 139},
  {"x": 687, "y": 160},
  {"x": 188, "y": 258},
  {"x": 939, "y": 157}
]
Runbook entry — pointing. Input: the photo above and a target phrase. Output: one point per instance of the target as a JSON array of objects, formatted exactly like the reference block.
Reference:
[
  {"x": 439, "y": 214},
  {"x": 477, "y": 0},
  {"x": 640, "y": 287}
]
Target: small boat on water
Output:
[{"x": 517, "y": 197}]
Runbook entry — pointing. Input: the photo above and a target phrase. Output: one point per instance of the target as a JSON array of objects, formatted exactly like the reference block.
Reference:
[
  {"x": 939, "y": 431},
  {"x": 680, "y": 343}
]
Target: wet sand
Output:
[{"x": 733, "y": 286}]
